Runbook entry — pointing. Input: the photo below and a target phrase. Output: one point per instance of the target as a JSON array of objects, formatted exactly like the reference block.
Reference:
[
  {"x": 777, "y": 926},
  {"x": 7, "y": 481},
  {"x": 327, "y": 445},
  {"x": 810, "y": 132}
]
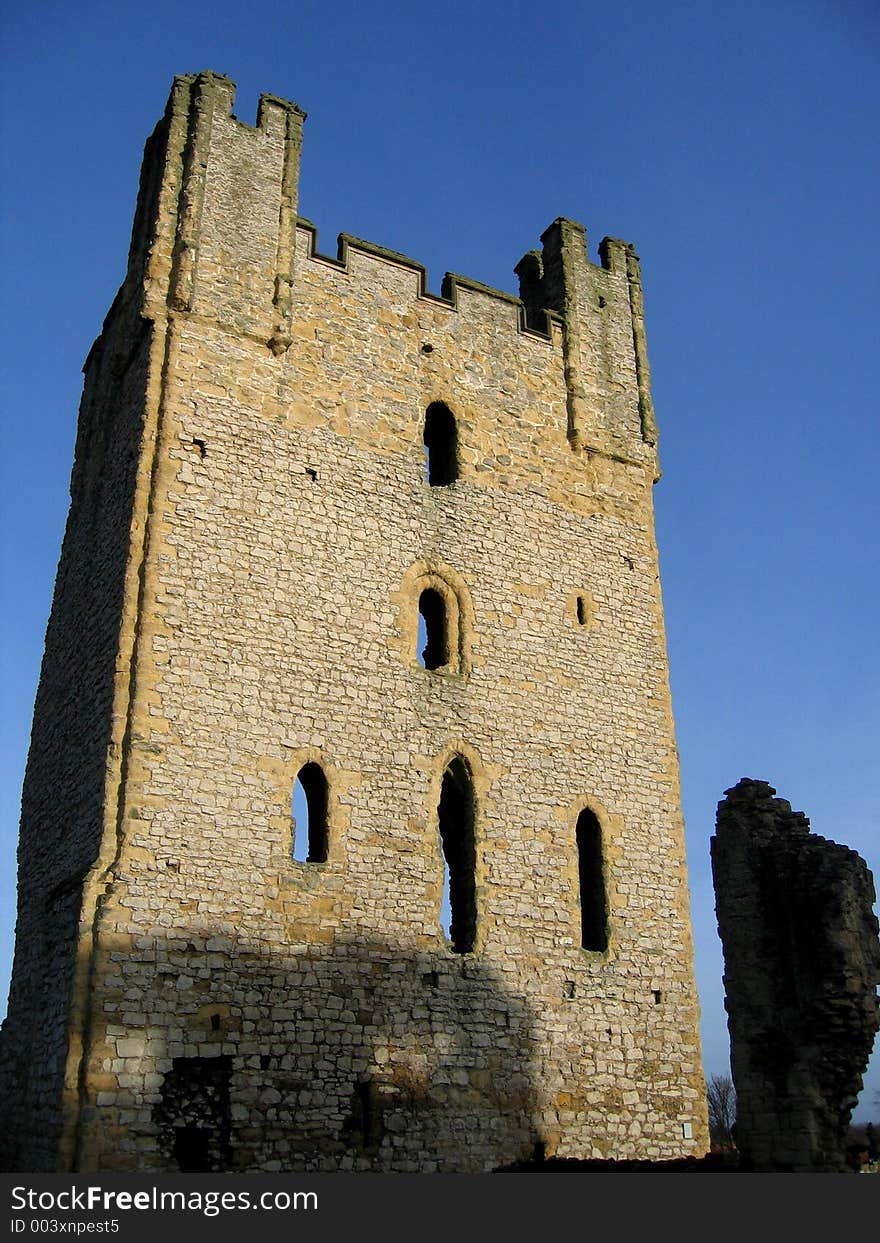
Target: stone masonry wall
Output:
[
  {"x": 801, "y": 968},
  {"x": 244, "y": 1010}
]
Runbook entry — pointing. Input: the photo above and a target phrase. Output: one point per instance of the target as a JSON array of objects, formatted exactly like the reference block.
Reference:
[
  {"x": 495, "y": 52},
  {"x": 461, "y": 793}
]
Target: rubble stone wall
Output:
[{"x": 801, "y": 968}]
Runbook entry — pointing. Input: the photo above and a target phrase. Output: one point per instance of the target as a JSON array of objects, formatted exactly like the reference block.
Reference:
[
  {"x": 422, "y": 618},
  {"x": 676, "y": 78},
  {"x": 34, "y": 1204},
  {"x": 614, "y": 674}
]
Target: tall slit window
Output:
[
  {"x": 456, "y": 821},
  {"x": 433, "y": 635},
  {"x": 591, "y": 883},
  {"x": 441, "y": 445},
  {"x": 308, "y": 812}
]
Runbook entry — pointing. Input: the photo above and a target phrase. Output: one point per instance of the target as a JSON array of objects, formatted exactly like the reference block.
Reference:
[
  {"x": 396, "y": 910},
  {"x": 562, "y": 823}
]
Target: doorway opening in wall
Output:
[
  {"x": 455, "y": 814},
  {"x": 193, "y": 1115},
  {"x": 192, "y": 1149}
]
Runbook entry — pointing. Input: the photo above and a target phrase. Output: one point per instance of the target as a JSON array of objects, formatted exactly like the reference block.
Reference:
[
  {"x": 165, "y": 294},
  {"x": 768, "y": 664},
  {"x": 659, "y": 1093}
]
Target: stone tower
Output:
[{"x": 285, "y": 463}]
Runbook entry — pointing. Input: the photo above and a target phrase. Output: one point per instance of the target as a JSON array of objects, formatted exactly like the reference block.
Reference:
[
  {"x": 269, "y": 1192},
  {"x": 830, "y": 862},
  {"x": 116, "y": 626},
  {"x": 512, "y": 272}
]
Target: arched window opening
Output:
[
  {"x": 456, "y": 821},
  {"x": 441, "y": 445},
  {"x": 433, "y": 636},
  {"x": 308, "y": 813},
  {"x": 591, "y": 882}
]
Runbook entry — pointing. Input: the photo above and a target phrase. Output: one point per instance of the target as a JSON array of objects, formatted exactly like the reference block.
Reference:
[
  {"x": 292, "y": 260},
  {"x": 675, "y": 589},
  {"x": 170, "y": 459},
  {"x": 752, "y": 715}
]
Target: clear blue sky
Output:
[{"x": 736, "y": 145}]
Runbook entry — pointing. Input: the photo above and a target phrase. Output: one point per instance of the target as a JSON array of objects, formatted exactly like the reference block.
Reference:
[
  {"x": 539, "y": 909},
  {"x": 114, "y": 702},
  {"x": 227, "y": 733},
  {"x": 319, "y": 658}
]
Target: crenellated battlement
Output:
[
  {"x": 220, "y": 90},
  {"x": 217, "y": 235},
  {"x": 596, "y": 303},
  {"x": 451, "y": 284},
  {"x": 593, "y": 311}
]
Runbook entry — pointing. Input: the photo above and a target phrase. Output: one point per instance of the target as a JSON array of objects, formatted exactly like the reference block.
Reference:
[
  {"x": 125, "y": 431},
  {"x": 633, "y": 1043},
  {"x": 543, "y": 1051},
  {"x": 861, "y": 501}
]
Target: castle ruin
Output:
[
  {"x": 801, "y": 969},
  {"x": 327, "y": 526}
]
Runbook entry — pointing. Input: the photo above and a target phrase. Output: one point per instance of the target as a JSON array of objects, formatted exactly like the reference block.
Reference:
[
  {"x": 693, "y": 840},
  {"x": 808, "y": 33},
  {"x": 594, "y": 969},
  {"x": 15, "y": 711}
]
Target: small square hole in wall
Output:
[
  {"x": 658, "y": 996},
  {"x": 687, "y": 1130}
]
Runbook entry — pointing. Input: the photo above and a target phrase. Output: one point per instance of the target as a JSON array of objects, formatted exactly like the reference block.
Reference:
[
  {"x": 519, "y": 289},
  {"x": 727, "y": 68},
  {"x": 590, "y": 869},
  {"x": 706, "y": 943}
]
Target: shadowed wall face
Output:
[
  {"x": 801, "y": 966},
  {"x": 374, "y": 1057}
]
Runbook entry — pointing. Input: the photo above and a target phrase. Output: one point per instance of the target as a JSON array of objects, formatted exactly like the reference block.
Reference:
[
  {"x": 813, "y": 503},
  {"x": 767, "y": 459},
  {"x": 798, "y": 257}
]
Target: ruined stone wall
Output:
[
  {"x": 242, "y": 1009},
  {"x": 801, "y": 968}
]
